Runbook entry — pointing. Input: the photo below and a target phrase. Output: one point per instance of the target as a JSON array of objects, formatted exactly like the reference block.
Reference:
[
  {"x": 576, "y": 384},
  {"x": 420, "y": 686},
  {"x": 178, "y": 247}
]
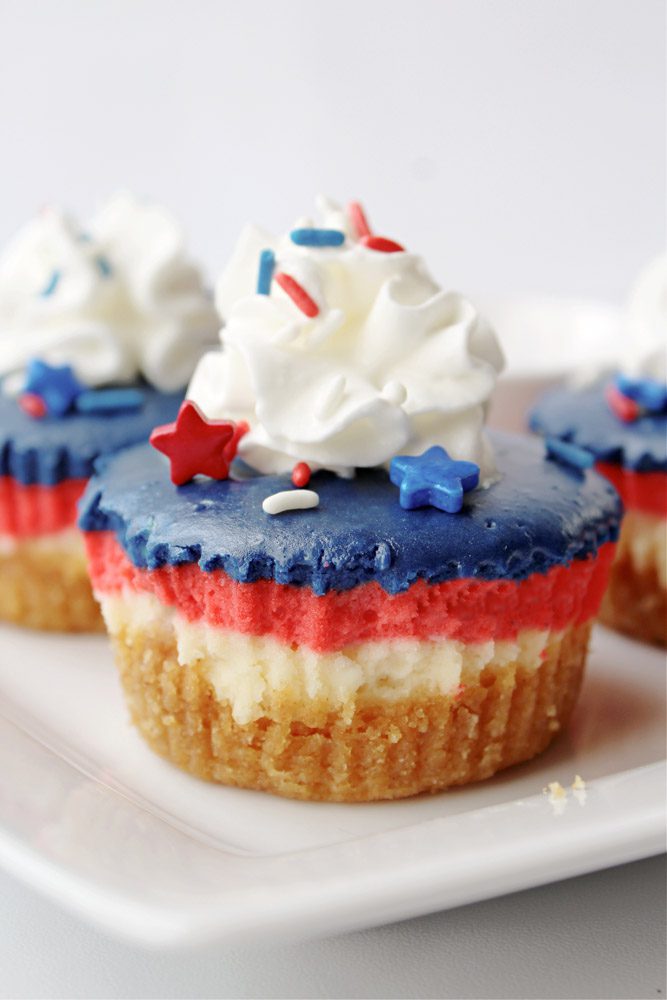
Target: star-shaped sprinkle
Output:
[
  {"x": 58, "y": 387},
  {"x": 433, "y": 480},
  {"x": 196, "y": 445}
]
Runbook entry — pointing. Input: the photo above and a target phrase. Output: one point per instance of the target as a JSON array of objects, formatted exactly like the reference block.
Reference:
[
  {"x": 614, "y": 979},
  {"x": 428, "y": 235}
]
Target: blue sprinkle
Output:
[
  {"x": 267, "y": 264},
  {"x": 317, "y": 237},
  {"x": 433, "y": 479},
  {"x": 104, "y": 266},
  {"x": 51, "y": 285},
  {"x": 109, "y": 401},
  {"x": 57, "y": 386},
  {"x": 569, "y": 454},
  {"x": 651, "y": 395}
]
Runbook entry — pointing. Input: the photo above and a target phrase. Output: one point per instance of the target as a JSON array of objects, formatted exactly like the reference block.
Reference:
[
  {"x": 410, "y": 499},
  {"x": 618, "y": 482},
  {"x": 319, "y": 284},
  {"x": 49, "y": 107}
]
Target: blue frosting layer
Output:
[
  {"x": 540, "y": 514},
  {"x": 56, "y": 448},
  {"x": 584, "y": 417}
]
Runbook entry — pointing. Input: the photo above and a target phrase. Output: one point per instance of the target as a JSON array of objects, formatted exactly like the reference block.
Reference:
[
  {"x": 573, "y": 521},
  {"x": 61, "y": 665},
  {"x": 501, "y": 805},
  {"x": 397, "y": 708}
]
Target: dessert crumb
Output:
[
  {"x": 555, "y": 790},
  {"x": 557, "y": 797},
  {"x": 579, "y": 789}
]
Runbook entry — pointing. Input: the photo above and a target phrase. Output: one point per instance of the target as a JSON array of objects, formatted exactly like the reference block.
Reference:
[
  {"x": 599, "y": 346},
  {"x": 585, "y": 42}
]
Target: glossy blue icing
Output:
[
  {"x": 583, "y": 417},
  {"x": 538, "y": 515},
  {"x": 56, "y": 448}
]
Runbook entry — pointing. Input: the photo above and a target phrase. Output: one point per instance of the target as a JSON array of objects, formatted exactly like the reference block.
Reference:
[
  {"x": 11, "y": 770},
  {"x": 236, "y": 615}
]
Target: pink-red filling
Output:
[
  {"x": 645, "y": 492},
  {"x": 467, "y": 610},
  {"x": 29, "y": 511}
]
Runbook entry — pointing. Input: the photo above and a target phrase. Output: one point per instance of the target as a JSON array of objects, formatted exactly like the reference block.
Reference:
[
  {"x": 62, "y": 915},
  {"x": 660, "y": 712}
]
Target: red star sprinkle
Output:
[{"x": 195, "y": 445}]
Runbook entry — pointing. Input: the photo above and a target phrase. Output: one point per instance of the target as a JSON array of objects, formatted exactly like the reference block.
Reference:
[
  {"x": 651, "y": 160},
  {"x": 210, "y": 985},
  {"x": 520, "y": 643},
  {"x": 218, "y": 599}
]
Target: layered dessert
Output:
[
  {"x": 324, "y": 579},
  {"x": 620, "y": 418},
  {"x": 100, "y": 330}
]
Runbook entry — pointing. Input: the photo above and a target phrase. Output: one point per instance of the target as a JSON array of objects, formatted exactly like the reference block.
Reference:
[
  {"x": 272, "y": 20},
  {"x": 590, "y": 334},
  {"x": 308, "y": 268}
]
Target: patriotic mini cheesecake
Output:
[
  {"x": 324, "y": 580},
  {"x": 100, "y": 331},
  {"x": 621, "y": 420}
]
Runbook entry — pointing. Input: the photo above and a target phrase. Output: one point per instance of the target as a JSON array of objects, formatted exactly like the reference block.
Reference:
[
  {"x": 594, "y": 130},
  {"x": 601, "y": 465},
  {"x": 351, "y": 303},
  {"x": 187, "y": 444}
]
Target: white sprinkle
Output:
[
  {"x": 331, "y": 397},
  {"x": 395, "y": 392},
  {"x": 278, "y": 503}
]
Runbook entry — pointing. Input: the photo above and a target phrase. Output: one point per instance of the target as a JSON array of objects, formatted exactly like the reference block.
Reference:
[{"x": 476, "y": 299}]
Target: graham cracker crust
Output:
[
  {"x": 635, "y": 601},
  {"x": 48, "y": 589},
  {"x": 386, "y": 750}
]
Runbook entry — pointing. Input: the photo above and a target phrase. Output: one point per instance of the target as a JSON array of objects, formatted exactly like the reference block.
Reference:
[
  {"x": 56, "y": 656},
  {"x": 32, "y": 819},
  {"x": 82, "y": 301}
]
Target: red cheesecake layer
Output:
[
  {"x": 26, "y": 511},
  {"x": 642, "y": 491},
  {"x": 467, "y": 610}
]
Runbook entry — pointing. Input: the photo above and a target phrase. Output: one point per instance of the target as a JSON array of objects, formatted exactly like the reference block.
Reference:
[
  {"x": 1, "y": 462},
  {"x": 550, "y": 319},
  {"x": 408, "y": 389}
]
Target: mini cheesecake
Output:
[
  {"x": 356, "y": 650},
  {"x": 632, "y": 454},
  {"x": 44, "y": 467}
]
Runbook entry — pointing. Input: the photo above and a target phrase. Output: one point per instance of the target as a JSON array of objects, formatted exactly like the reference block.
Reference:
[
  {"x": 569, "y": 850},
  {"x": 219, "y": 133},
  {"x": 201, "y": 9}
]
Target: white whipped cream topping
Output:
[
  {"x": 646, "y": 324},
  {"x": 391, "y": 365},
  {"x": 115, "y": 300}
]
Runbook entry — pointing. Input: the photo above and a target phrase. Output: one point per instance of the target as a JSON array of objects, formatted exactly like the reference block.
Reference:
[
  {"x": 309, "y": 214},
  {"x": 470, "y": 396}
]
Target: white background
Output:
[
  {"x": 599, "y": 936},
  {"x": 520, "y": 144}
]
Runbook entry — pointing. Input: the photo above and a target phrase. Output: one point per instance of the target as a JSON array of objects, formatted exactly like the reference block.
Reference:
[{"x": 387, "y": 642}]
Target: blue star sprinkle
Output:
[
  {"x": 433, "y": 480},
  {"x": 58, "y": 387},
  {"x": 650, "y": 394}
]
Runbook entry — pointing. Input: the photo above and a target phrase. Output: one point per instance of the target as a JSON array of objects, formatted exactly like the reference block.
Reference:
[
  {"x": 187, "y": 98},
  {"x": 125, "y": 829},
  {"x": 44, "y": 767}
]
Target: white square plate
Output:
[{"x": 90, "y": 816}]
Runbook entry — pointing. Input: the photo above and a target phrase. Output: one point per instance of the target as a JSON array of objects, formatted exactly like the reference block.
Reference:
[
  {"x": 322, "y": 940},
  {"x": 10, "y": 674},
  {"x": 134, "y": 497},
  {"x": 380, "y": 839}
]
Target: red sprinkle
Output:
[
  {"x": 301, "y": 474},
  {"x": 297, "y": 293},
  {"x": 381, "y": 244},
  {"x": 33, "y": 405},
  {"x": 358, "y": 219},
  {"x": 623, "y": 407}
]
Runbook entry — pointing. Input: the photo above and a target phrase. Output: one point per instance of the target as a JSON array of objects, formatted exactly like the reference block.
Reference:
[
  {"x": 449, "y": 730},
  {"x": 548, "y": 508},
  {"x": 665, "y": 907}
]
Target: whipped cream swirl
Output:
[
  {"x": 117, "y": 300},
  {"x": 646, "y": 324},
  {"x": 390, "y": 365}
]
